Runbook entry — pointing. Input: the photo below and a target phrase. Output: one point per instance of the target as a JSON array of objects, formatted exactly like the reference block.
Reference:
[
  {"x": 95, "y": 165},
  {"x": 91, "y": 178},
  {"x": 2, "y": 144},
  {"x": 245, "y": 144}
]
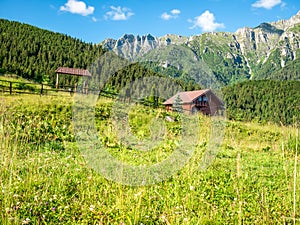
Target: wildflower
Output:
[
  {"x": 92, "y": 207},
  {"x": 26, "y": 221},
  {"x": 163, "y": 218},
  {"x": 53, "y": 209},
  {"x": 137, "y": 194},
  {"x": 192, "y": 188}
]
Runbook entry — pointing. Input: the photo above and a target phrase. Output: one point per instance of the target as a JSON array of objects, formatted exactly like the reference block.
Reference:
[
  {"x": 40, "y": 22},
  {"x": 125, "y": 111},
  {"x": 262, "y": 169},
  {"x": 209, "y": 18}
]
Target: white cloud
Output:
[
  {"x": 175, "y": 11},
  {"x": 172, "y": 15},
  {"x": 77, "y": 7},
  {"x": 206, "y": 21},
  {"x": 166, "y": 16},
  {"x": 119, "y": 13},
  {"x": 267, "y": 4}
]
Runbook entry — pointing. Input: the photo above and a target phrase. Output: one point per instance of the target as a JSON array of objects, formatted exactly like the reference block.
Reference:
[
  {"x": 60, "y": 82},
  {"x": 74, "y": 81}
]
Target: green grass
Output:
[
  {"x": 44, "y": 177},
  {"x": 24, "y": 86}
]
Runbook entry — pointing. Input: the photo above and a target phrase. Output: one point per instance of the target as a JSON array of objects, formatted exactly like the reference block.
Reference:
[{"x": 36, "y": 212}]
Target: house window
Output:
[{"x": 204, "y": 98}]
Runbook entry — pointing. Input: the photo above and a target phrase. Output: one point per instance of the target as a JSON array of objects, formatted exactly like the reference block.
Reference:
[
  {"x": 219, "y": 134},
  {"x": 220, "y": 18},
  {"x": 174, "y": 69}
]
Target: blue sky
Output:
[{"x": 95, "y": 20}]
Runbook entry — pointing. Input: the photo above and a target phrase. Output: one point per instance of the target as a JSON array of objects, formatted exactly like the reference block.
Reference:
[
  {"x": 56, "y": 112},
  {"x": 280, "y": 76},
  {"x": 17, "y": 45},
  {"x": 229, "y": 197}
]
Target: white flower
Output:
[
  {"x": 26, "y": 221},
  {"x": 92, "y": 207}
]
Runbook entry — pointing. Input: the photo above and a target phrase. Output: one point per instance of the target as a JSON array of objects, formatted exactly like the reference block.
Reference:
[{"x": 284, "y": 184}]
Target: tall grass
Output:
[
  {"x": 295, "y": 179},
  {"x": 44, "y": 179}
]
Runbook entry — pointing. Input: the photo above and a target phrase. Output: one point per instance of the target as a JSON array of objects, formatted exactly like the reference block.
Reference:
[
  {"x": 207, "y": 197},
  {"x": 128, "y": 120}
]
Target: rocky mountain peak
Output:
[
  {"x": 269, "y": 28},
  {"x": 286, "y": 24},
  {"x": 130, "y": 46}
]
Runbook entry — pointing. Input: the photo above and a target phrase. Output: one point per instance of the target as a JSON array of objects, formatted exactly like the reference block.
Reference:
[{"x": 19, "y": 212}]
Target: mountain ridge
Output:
[{"x": 247, "y": 50}]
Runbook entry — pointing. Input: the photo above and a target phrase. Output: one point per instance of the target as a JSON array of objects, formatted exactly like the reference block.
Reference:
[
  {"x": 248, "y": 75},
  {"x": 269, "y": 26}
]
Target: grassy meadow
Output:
[{"x": 44, "y": 179}]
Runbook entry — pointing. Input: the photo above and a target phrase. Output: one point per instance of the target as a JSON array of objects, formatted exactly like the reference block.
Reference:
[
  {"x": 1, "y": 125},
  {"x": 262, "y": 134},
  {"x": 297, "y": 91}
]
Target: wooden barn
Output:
[{"x": 204, "y": 101}]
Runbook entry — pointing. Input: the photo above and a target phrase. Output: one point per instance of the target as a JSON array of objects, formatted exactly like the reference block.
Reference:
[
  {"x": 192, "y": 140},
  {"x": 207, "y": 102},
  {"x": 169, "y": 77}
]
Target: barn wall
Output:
[{"x": 187, "y": 107}]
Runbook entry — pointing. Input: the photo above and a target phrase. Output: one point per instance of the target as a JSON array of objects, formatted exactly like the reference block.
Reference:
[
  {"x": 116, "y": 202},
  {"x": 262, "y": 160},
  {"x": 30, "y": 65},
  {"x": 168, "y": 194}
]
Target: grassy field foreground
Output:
[{"x": 44, "y": 179}]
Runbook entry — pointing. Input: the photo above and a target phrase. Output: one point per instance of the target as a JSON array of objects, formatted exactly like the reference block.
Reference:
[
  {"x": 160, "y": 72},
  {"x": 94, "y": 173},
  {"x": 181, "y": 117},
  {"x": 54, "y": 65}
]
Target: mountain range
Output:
[{"x": 268, "y": 51}]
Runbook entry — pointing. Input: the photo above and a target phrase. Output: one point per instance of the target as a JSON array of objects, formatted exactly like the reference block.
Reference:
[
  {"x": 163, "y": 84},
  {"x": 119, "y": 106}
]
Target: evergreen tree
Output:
[{"x": 177, "y": 105}]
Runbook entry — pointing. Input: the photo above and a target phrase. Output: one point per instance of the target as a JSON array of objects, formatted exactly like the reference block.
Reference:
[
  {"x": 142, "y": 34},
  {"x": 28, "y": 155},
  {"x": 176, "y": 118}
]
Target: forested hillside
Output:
[
  {"x": 35, "y": 53},
  {"x": 262, "y": 101}
]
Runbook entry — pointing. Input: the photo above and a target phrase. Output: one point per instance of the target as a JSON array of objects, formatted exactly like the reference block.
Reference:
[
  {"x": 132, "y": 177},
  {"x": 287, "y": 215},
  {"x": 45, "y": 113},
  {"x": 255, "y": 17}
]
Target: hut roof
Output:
[
  {"x": 186, "y": 96},
  {"x": 73, "y": 71}
]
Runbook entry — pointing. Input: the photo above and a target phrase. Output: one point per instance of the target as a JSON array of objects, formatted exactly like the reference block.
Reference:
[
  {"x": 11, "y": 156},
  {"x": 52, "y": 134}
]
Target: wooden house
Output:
[{"x": 204, "y": 101}]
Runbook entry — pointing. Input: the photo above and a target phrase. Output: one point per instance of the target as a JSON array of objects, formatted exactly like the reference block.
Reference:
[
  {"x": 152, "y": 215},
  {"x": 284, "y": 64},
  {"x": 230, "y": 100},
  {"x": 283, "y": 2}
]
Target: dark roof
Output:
[
  {"x": 186, "y": 96},
  {"x": 73, "y": 71}
]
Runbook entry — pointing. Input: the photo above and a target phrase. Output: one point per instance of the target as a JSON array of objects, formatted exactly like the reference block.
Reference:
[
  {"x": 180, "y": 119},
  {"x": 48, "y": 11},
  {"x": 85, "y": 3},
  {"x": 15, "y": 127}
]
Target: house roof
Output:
[
  {"x": 73, "y": 71},
  {"x": 186, "y": 96}
]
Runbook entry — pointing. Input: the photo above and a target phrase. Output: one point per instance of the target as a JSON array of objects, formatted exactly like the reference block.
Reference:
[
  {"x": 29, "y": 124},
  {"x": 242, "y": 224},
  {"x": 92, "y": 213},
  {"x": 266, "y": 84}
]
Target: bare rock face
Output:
[
  {"x": 286, "y": 24},
  {"x": 131, "y": 47},
  {"x": 259, "y": 42}
]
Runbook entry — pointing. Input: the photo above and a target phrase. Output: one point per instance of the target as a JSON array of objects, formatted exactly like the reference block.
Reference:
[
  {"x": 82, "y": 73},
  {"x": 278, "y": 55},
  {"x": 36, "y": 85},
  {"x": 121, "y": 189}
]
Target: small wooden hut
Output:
[{"x": 72, "y": 72}]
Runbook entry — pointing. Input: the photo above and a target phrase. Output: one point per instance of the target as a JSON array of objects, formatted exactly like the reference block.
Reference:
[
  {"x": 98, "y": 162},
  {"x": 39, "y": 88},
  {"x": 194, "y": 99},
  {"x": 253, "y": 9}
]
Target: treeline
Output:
[
  {"x": 35, "y": 53},
  {"x": 262, "y": 101},
  {"x": 129, "y": 74}
]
